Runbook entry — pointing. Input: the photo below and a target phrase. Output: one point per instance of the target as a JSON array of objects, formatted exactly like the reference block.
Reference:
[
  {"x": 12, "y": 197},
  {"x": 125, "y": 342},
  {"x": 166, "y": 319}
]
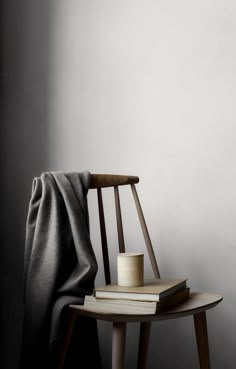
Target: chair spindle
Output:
[
  {"x": 119, "y": 221},
  {"x": 103, "y": 238},
  {"x": 145, "y": 233}
]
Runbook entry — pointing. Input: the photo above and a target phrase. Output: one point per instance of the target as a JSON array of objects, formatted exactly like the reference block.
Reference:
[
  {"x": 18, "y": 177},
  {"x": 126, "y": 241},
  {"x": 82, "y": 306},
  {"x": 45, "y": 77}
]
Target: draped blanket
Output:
[{"x": 60, "y": 268}]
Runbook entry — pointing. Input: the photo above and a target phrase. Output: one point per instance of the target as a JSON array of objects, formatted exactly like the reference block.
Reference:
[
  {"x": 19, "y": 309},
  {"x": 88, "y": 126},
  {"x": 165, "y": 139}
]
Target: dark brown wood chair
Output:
[{"x": 196, "y": 305}]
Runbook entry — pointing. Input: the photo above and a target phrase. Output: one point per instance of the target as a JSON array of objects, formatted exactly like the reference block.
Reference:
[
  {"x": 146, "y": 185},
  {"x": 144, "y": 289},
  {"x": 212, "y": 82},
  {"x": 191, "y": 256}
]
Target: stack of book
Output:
[{"x": 154, "y": 296}]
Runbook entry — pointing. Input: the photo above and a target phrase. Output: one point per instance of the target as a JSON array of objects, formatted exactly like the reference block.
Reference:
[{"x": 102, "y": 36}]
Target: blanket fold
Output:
[{"x": 60, "y": 268}]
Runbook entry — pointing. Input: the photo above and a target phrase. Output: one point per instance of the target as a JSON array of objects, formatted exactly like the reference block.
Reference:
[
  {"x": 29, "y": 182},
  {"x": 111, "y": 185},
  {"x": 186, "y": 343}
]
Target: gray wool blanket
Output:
[{"x": 60, "y": 268}]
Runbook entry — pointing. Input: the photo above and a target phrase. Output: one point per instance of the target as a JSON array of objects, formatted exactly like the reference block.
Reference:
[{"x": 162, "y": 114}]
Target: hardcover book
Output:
[
  {"x": 152, "y": 290},
  {"x": 119, "y": 306}
]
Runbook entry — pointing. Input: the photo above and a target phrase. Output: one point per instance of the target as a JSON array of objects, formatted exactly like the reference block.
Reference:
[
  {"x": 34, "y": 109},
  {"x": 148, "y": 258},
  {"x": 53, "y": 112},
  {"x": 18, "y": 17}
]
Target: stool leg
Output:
[
  {"x": 145, "y": 328},
  {"x": 118, "y": 345},
  {"x": 202, "y": 340}
]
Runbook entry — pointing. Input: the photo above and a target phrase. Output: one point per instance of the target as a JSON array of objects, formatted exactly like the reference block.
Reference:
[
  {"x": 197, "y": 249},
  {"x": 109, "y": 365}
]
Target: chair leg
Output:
[
  {"x": 145, "y": 328},
  {"x": 202, "y": 340},
  {"x": 118, "y": 345},
  {"x": 66, "y": 342}
]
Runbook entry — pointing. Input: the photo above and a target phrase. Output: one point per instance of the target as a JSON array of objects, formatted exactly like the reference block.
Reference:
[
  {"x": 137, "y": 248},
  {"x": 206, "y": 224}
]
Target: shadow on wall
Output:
[{"x": 24, "y": 153}]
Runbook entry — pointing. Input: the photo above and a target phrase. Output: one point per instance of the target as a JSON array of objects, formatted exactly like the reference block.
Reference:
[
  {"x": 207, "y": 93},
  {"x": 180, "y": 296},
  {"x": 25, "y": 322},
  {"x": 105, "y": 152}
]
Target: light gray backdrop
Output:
[{"x": 145, "y": 88}]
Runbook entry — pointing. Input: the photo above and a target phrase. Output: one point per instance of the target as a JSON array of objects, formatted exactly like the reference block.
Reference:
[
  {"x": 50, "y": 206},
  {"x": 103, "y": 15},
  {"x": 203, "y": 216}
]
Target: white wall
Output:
[{"x": 148, "y": 88}]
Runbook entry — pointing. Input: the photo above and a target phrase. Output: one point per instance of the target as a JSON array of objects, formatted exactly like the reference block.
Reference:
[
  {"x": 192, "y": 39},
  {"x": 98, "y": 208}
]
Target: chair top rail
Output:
[{"x": 111, "y": 180}]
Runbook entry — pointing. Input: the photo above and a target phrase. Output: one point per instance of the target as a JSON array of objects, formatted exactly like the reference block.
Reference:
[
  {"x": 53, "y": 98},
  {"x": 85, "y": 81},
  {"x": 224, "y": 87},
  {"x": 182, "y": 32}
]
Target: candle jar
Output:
[{"x": 130, "y": 269}]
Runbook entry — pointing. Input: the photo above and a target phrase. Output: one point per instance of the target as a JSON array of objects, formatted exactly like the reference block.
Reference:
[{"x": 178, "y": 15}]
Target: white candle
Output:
[{"x": 130, "y": 267}]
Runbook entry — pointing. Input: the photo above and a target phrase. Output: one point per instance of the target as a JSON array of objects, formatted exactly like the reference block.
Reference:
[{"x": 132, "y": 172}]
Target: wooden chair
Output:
[{"x": 196, "y": 305}]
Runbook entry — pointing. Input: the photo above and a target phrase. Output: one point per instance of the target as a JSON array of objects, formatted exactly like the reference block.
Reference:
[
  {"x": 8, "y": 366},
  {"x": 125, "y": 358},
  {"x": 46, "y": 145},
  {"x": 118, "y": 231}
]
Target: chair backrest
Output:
[{"x": 100, "y": 181}]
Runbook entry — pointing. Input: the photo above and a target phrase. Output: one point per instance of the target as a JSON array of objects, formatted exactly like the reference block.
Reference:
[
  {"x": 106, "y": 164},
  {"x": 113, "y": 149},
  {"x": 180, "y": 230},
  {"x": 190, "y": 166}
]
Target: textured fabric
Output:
[{"x": 60, "y": 268}]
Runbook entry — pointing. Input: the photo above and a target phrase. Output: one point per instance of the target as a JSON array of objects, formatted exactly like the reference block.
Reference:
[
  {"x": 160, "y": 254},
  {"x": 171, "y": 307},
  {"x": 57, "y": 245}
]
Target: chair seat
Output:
[{"x": 196, "y": 303}]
